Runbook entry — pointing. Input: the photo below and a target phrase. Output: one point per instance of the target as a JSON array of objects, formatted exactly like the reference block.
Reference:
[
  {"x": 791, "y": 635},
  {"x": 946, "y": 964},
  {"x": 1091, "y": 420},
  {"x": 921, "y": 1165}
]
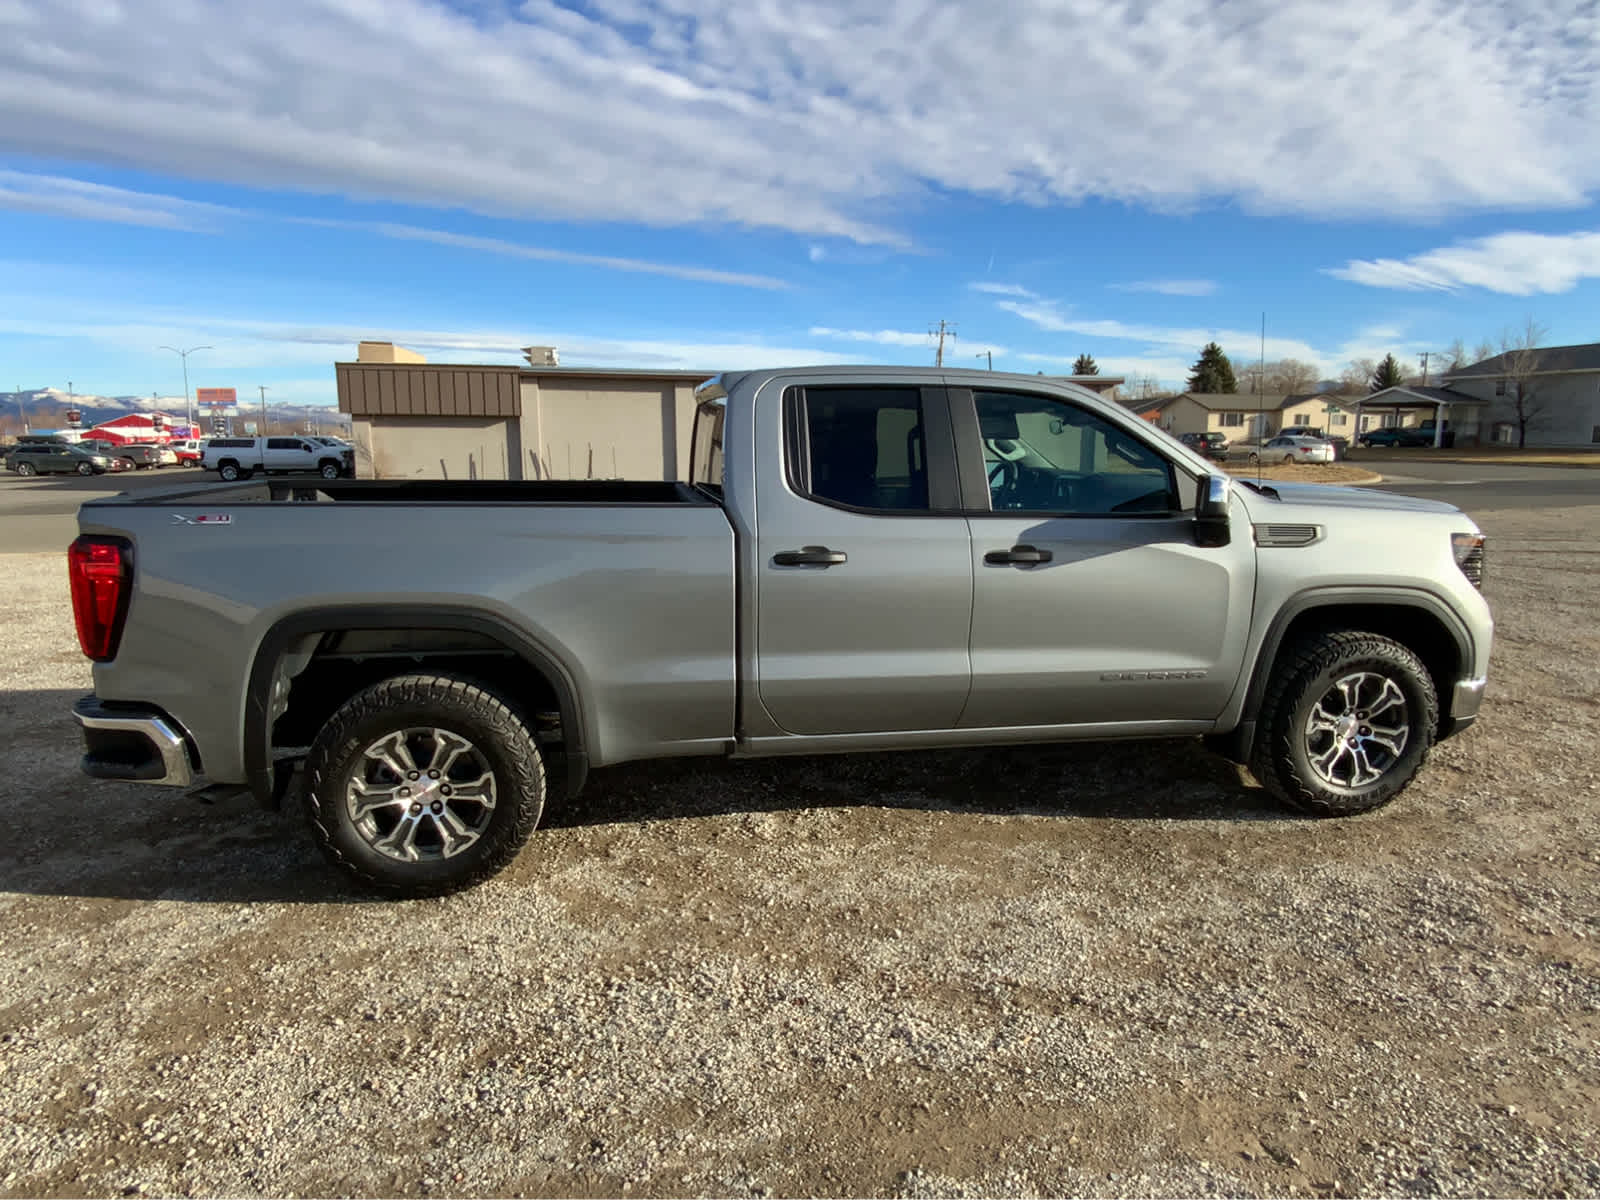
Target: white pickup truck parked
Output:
[{"x": 239, "y": 458}]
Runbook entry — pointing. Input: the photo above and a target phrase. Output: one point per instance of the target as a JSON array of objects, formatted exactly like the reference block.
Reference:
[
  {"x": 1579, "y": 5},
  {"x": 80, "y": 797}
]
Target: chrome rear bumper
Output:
[{"x": 142, "y": 745}]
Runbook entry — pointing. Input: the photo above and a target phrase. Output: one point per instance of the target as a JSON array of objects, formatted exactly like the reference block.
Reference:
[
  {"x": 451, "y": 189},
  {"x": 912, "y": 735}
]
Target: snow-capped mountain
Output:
[{"x": 46, "y": 408}]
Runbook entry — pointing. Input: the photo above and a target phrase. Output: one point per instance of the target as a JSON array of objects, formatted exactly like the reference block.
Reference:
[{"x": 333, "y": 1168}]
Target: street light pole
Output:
[
  {"x": 988, "y": 354},
  {"x": 263, "y": 390},
  {"x": 188, "y": 408}
]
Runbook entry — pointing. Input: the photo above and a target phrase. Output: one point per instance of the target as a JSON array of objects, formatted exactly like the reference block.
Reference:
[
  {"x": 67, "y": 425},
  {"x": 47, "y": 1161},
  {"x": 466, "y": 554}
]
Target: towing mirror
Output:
[{"x": 1211, "y": 511}]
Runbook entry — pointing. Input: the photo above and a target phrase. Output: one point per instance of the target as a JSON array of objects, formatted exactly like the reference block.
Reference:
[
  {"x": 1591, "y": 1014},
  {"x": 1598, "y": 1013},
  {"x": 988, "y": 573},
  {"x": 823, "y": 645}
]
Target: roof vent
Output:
[{"x": 541, "y": 356}]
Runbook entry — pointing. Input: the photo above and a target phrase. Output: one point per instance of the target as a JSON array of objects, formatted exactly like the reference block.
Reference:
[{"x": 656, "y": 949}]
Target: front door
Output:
[
  {"x": 864, "y": 574},
  {"x": 1091, "y": 602}
]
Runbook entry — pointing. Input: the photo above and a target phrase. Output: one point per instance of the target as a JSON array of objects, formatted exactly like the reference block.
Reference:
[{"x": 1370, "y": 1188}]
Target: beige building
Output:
[
  {"x": 417, "y": 420},
  {"x": 1244, "y": 417}
]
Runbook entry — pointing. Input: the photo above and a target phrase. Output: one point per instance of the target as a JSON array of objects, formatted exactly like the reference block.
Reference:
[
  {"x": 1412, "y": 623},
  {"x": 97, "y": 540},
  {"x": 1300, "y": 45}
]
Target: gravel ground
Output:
[{"x": 1099, "y": 970}]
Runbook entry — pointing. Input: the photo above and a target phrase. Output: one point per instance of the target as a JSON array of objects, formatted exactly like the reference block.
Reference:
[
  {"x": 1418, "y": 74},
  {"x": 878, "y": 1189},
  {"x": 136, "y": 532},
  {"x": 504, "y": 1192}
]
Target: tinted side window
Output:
[
  {"x": 863, "y": 447},
  {"x": 1044, "y": 455},
  {"x": 283, "y": 444}
]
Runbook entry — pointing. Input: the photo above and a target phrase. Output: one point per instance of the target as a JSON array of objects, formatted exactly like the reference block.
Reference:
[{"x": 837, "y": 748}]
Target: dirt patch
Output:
[{"x": 1096, "y": 970}]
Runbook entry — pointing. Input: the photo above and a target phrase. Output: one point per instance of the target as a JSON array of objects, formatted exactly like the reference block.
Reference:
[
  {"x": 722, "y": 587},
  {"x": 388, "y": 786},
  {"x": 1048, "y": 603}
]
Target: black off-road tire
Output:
[
  {"x": 228, "y": 472},
  {"x": 329, "y": 469},
  {"x": 446, "y": 702},
  {"x": 1304, "y": 674}
]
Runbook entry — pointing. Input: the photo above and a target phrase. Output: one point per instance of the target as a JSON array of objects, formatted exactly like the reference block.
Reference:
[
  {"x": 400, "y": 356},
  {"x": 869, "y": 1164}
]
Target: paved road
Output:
[
  {"x": 41, "y": 514},
  {"x": 1474, "y": 486}
]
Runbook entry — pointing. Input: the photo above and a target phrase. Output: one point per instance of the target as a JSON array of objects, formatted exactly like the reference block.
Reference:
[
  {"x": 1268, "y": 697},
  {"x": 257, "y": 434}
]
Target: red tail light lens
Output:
[{"x": 101, "y": 574}]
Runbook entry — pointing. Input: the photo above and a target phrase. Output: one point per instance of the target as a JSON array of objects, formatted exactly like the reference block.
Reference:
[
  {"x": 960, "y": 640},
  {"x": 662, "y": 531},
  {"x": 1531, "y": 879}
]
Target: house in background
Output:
[
  {"x": 1562, "y": 390},
  {"x": 1245, "y": 417},
  {"x": 1410, "y": 406}
]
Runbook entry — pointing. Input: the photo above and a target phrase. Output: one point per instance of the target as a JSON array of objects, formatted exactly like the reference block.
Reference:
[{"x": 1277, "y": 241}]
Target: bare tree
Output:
[
  {"x": 1356, "y": 376},
  {"x": 1520, "y": 362},
  {"x": 1455, "y": 357},
  {"x": 1484, "y": 349},
  {"x": 1290, "y": 376}
]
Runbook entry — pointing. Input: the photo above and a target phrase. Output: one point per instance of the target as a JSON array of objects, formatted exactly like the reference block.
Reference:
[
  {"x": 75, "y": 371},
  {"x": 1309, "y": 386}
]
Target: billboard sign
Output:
[{"x": 216, "y": 397}]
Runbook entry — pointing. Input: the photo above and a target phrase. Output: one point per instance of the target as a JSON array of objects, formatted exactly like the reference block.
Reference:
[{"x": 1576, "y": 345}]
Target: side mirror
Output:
[{"x": 1211, "y": 511}]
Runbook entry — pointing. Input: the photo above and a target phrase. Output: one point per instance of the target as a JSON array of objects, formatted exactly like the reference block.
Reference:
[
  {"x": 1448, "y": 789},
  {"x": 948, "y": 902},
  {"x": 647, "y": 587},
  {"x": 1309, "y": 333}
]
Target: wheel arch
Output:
[
  {"x": 279, "y": 645},
  {"x": 1418, "y": 620}
]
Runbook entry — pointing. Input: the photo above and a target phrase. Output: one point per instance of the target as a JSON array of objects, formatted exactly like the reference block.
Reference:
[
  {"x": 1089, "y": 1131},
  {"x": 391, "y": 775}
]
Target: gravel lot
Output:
[{"x": 1101, "y": 970}]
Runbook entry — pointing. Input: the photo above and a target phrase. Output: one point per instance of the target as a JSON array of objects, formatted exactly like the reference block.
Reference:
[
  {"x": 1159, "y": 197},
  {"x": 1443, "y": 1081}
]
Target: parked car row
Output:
[{"x": 230, "y": 458}]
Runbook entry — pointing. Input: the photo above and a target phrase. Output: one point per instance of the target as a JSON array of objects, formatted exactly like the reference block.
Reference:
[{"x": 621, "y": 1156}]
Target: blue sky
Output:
[{"x": 689, "y": 183}]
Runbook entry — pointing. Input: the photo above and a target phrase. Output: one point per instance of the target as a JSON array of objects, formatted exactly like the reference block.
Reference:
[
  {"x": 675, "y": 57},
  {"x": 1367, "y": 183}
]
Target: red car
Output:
[{"x": 188, "y": 452}]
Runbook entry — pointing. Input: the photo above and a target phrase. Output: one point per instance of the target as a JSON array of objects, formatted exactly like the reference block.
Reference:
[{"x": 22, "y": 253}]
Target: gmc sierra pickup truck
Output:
[{"x": 861, "y": 559}]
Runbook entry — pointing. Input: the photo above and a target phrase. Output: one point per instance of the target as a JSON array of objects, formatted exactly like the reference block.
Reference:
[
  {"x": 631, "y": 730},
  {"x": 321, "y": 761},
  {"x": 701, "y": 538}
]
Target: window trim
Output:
[
  {"x": 976, "y": 498},
  {"x": 938, "y": 448}
]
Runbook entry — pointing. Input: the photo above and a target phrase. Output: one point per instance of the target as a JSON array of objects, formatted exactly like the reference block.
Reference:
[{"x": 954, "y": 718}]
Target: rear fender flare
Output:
[{"x": 279, "y": 643}]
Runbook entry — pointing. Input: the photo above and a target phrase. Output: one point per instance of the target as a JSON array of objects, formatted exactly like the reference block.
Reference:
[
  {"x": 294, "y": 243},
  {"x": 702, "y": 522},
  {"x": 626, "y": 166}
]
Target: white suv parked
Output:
[{"x": 239, "y": 458}]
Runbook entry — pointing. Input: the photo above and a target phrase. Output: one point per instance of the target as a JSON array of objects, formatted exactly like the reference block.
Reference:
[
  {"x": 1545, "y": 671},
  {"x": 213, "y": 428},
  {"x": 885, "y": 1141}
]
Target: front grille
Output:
[{"x": 1472, "y": 566}]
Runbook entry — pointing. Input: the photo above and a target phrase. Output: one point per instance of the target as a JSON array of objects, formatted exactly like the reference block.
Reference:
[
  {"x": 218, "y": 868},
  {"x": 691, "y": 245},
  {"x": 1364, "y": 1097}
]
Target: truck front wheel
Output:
[
  {"x": 1346, "y": 723},
  {"x": 424, "y": 784}
]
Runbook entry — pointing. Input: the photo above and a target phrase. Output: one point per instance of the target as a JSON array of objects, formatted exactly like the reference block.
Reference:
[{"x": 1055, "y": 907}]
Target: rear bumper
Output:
[
  {"x": 135, "y": 743},
  {"x": 1465, "y": 700}
]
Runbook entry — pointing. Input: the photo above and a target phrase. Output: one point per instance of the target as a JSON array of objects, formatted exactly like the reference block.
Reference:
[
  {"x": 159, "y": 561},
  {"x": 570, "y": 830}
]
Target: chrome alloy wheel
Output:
[
  {"x": 421, "y": 794},
  {"x": 1357, "y": 730}
]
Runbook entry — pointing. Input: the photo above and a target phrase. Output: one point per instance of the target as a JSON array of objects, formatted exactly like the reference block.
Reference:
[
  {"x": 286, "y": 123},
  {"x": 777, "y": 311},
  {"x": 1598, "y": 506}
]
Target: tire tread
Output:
[{"x": 527, "y": 784}]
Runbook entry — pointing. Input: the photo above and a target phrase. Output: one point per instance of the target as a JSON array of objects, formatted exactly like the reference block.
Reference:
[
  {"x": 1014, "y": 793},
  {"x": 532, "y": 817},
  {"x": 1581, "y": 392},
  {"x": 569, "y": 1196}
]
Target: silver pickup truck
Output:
[{"x": 863, "y": 559}]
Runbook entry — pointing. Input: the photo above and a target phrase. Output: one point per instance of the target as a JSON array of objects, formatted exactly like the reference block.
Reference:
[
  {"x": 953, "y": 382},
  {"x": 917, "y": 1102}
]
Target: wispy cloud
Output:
[
  {"x": 488, "y": 245},
  {"x": 954, "y": 351},
  {"x": 809, "y": 116},
  {"x": 1171, "y": 287},
  {"x": 1004, "y": 289},
  {"x": 242, "y": 342},
  {"x": 1514, "y": 264},
  {"x": 59, "y": 196}
]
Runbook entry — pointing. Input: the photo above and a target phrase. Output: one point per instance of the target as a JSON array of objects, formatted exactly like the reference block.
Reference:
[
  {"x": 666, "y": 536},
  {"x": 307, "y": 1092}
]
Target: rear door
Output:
[
  {"x": 864, "y": 574},
  {"x": 1092, "y": 604},
  {"x": 288, "y": 454}
]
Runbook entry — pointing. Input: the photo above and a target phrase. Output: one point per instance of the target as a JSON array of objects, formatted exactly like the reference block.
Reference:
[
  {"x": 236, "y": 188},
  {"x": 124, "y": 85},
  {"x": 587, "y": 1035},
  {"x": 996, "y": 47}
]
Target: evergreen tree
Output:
[
  {"x": 1387, "y": 375},
  {"x": 1085, "y": 365},
  {"x": 1212, "y": 372}
]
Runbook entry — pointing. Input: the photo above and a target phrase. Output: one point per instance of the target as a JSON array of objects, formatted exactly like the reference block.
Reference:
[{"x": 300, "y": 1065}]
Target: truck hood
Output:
[{"x": 1328, "y": 496}]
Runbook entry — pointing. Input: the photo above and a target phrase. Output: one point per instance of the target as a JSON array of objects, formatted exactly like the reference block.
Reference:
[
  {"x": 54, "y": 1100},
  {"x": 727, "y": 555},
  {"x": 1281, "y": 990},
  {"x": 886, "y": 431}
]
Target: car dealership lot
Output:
[{"x": 1104, "y": 970}]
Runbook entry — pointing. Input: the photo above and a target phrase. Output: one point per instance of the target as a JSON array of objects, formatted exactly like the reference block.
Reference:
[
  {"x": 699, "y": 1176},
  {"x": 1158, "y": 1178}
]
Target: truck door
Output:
[
  {"x": 864, "y": 573},
  {"x": 1091, "y": 601}
]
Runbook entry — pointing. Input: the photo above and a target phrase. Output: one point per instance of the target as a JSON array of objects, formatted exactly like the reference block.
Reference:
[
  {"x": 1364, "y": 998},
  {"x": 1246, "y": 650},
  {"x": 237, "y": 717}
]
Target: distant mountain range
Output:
[{"x": 46, "y": 408}]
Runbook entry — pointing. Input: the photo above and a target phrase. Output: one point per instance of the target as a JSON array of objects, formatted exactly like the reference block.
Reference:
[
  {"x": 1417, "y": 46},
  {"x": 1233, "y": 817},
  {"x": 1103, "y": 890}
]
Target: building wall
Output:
[
  {"x": 606, "y": 428},
  {"x": 1568, "y": 410},
  {"x": 437, "y": 448}
]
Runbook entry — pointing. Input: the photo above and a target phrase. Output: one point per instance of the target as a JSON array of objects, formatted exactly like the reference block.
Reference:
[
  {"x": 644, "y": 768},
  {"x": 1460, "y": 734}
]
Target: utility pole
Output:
[
  {"x": 988, "y": 354},
  {"x": 945, "y": 330},
  {"x": 22, "y": 411},
  {"x": 263, "y": 390}
]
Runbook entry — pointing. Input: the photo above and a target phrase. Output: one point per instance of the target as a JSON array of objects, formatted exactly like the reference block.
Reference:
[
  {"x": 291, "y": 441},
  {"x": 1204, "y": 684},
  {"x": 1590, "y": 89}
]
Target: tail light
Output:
[{"x": 101, "y": 573}]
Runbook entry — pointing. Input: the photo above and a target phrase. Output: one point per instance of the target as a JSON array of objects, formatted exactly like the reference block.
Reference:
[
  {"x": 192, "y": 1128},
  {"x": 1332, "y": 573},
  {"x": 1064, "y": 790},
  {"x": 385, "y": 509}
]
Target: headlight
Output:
[
  {"x": 1468, "y": 550},
  {"x": 101, "y": 459}
]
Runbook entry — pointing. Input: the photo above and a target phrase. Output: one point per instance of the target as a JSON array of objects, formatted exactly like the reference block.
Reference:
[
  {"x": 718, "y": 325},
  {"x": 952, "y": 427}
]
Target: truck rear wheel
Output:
[
  {"x": 1346, "y": 723},
  {"x": 423, "y": 785}
]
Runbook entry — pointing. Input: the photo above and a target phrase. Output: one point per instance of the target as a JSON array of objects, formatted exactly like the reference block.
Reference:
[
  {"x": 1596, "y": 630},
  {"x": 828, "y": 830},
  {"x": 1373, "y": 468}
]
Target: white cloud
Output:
[
  {"x": 956, "y": 351},
  {"x": 1514, "y": 264},
  {"x": 1170, "y": 287},
  {"x": 57, "y": 196},
  {"x": 1004, "y": 289},
  {"x": 814, "y": 115},
  {"x": 488, "y": 245},
  {"x": 242, "y": 343}
]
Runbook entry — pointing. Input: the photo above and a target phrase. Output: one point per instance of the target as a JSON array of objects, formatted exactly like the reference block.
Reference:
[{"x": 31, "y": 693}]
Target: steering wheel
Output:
[{"x": 1005, "y": 469}]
